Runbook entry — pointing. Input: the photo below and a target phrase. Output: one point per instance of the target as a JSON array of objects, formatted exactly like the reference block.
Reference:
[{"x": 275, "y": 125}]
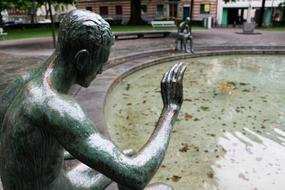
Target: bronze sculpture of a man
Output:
[
  {"x": 184, "y": 40},
  {"x": 39, "y": 120}
]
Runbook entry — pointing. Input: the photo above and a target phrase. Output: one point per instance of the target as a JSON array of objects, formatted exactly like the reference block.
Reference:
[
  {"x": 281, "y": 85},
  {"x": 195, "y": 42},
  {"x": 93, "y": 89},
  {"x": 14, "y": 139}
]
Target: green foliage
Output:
[
  {"x": 8, "y": 4},
  {"x": 55, "y": 1}
]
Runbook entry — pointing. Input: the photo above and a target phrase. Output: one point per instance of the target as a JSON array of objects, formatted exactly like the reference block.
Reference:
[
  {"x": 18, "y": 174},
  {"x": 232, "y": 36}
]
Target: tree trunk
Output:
[
  {"x": 136, "y": 13},
  {"x": 1, "y": 18},
  {"x": 52, "y": 23},
  {"x": 283, "y": 15},
  {"x": 33, "y": 12},
  {"x": 260, "y": 22},
  {"x": 32, "y": 18},
  {"x": 192, "y": 7},
  {"x": 191, "y": 14},
  {"x": 46, "y": 8}
]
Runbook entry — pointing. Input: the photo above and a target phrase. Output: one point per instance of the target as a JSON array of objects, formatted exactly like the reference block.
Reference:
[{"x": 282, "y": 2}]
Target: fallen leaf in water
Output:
[
  {"x": 227, "y": 88},
  {"x": 175, "y": 178},
  {"x": 185, "y": 147},
  {"x": 210, "y": 175},
  {"x": 243, "y": 83},
  {"x": 188, "y": 116},
  {"x": 128, "y": 87},
  {"x": 204, "y": 108},
  {"x": 125, "y": 94},
  {"x": 196, "y": 119}
]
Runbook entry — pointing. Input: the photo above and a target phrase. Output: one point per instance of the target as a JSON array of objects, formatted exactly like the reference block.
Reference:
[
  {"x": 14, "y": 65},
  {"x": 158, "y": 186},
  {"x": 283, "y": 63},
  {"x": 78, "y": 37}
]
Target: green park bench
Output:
[{"x": 156, "y": 24}]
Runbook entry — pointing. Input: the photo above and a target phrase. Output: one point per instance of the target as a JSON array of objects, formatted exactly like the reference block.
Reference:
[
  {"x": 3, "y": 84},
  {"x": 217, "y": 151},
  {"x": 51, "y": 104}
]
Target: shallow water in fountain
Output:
[{"x": 230, "y": 132}]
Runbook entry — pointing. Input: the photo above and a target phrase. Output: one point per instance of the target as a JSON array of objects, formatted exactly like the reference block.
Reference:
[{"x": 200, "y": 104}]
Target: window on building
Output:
[
  {"x": 119, "y": 10},
  {"x": 204, "y": 8},
  {"x": 104, "y": 11},
  {"x": 173, "y": 10},
  {"x": 144, "y": 8},
  {"x": 89, "y": 8},
  {"x": 159, "y": 10}
]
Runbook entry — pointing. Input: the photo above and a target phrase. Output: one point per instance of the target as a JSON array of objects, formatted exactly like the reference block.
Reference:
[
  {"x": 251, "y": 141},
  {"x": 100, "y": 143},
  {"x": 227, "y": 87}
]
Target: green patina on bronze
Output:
[
  {"x": 39, "y": 121},
  {"x": 184, "y": 37}
]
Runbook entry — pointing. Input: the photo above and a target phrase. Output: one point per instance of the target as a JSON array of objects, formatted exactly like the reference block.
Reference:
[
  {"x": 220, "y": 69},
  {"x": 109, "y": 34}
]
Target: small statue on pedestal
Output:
[{"x": 184, "y": 37}]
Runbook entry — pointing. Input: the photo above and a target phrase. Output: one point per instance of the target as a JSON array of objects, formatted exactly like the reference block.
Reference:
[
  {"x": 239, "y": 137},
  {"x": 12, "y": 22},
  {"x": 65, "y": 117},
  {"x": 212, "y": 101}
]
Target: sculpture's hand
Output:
[{"x": 172, "y": 87}]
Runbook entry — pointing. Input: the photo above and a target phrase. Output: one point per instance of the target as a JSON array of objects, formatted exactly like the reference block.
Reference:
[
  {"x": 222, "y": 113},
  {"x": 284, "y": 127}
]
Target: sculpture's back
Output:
[{"x": 30, "y": 157}]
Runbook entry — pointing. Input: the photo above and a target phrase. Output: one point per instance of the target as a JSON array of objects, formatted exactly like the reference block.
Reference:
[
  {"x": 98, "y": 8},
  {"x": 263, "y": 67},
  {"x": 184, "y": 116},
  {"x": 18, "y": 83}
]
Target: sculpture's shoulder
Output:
[
  {"x": 41, "y": 101},
  {"x": 63, "y": 108},
  {"x": 44, "y": 103},
  {"x": 11, "y": 92}
]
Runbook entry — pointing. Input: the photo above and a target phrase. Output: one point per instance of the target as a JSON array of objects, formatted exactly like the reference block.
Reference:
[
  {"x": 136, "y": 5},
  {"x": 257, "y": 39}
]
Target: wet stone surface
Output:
[{"x": 230, "y": 129}]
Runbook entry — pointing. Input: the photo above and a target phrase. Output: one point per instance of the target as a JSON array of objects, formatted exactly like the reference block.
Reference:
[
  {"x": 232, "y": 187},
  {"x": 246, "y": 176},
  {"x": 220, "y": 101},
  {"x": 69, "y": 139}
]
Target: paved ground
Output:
[{"x": 19, "y": 56}]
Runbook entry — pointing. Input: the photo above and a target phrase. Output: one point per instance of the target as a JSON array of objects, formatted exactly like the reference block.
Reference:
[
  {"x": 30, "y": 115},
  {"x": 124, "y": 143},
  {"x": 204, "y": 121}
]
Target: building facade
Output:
[
  {"x": 39, "y": 13},
  {"x": 120, "y": 10},
  {"x": 237, "y": 12}
]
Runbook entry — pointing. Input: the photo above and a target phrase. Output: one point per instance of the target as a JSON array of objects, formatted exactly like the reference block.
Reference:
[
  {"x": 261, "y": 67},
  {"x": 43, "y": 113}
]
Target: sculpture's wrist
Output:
[{"x": 172, "y": 107}]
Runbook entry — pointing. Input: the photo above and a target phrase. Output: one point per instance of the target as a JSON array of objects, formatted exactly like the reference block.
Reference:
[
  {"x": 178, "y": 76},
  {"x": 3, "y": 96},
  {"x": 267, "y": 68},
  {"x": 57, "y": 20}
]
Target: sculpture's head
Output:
[
  {"x": 188, "y": 19},
  {"x": 84, "y": 42}
]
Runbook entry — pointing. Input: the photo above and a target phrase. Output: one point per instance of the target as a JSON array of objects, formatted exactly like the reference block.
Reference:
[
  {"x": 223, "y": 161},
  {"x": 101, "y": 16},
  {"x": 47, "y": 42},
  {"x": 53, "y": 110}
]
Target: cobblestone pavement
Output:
[
  {"x": 11, "y": 66},
  {"x": 18, "y": 56}
]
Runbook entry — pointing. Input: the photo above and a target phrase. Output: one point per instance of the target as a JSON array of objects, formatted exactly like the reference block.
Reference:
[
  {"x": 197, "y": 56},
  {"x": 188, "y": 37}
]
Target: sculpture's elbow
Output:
[
  {"x": 142, "y": 173},
  {"x": 138, "y": 180},
  {"x": 136, "y": 176}
]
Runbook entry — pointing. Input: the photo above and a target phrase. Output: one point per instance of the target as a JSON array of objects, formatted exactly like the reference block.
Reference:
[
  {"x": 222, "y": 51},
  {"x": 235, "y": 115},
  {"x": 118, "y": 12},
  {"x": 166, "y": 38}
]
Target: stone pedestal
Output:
[{"x": 248, "y": 27}]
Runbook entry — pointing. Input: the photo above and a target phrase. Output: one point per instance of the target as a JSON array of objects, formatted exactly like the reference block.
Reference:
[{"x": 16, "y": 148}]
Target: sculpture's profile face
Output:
[{"x": 94, "y": 67}]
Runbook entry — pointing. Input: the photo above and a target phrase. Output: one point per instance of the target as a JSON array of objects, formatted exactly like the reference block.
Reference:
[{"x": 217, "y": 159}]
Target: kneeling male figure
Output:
[{"x": 39, "y": 120}]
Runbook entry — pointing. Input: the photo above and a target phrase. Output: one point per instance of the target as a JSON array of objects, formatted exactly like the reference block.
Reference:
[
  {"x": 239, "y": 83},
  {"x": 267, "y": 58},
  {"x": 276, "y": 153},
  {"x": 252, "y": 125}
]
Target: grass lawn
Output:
[
  {"x": 28, "y": 33},
  {"x": 46, "y": 32},
  {"x": 275, "y": 29}
]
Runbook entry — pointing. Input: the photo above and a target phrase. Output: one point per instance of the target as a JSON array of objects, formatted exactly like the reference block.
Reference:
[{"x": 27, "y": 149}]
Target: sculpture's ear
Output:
[{"x": 82, "y": 59}]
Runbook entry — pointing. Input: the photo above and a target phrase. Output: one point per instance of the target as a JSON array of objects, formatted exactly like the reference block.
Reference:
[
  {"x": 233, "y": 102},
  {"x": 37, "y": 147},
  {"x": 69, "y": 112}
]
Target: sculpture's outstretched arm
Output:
[{"x": 78, "y": 135}]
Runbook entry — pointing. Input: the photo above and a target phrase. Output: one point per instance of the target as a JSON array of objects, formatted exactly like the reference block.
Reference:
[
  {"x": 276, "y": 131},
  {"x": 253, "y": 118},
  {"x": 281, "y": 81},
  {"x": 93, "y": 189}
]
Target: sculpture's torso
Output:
[{"x": 33, "y": 158}]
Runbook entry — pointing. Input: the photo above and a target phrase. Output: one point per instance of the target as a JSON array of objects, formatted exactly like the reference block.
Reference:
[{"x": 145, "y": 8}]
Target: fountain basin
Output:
[{"x": 230, "y": 129}]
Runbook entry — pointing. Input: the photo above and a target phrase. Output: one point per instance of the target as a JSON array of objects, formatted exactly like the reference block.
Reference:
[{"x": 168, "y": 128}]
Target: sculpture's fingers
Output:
[
  {"x": 178, "y": 70},
  {"x": 181, "y": 72},
  {"x": 171, "y": 82},
  {"x": 171, "y": 73},
  {"x": 179, "y": 86},
  {"x": 163, "y": 87},
  {"x": 164, "y": 78}
]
